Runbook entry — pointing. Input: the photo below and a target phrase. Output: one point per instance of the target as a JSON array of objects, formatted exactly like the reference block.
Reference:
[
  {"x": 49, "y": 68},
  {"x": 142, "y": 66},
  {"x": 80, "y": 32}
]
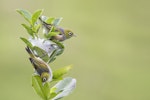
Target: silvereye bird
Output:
[
  {"x": 41, "y": 68},
  {"x": 63, "y": 33}
]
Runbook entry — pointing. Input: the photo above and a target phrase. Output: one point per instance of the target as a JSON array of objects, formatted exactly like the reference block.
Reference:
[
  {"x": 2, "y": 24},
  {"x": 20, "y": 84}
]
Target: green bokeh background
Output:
[{"x": 111, "y": 53}]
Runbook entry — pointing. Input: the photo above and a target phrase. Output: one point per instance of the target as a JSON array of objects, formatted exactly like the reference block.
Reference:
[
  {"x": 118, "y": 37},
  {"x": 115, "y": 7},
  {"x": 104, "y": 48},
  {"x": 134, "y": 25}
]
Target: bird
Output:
[
  {"x": 41, "y": 68},
  {"x": 63, "y": 34}
]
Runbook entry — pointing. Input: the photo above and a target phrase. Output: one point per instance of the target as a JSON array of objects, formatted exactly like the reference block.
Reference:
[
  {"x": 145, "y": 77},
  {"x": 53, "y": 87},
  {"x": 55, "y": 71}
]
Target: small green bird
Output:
[
  {"x": 41, "y": 68},
  {"x": 63, "y": 33}
]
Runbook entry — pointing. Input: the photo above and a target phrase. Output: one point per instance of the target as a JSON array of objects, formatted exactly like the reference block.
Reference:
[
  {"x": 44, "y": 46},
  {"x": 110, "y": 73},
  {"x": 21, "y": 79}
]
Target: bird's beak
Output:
[{"x": 74, "y": 35}]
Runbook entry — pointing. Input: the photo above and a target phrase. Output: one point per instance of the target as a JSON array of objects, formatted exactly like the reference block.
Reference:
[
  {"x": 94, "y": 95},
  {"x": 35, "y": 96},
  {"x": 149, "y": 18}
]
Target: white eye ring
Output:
[
  {"x": 70, "y": 33},
  {"x": 44, "y": 79}
]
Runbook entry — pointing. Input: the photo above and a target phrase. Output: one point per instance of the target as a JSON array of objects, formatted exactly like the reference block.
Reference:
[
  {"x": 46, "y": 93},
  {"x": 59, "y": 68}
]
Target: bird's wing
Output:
[{"x": 39, "y": 65}]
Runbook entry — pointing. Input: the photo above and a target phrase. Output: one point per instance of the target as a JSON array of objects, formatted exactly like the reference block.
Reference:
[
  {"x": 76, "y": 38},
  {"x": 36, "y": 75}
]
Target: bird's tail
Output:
[
  {"x": 33, "y": 63},
  {"x": 30, "y": 52},
  {"x": 46, "y": 25}
]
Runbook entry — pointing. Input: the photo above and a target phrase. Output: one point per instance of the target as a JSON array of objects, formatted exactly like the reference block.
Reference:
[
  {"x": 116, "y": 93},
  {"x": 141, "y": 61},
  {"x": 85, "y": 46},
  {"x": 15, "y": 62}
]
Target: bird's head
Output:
[
  {"x": 45, "y": 76},
  {"x": 69, "y": 34}
]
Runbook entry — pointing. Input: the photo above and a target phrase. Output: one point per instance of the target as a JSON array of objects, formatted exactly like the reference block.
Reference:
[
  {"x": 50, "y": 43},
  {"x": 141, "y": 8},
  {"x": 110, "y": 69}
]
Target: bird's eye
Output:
[
  {"x": 70, "y": 33},
  {"x": 44, "y": 79}
]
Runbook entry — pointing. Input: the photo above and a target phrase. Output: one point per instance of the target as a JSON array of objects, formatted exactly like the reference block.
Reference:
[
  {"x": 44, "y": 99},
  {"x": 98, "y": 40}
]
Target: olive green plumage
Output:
[
  {"x": 41, "y": 68},
  {"x": 63, "y": 33}
]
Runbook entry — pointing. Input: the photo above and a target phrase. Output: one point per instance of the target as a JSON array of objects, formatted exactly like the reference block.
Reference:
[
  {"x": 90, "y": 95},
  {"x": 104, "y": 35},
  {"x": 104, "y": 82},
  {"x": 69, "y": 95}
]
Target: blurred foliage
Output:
[{"x": 113, "y": 44}]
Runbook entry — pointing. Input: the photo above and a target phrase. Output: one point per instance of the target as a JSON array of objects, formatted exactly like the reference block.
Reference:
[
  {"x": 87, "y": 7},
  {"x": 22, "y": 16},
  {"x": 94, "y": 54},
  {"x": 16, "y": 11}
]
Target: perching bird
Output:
[
  {"x": 41, "y": 68},
  {"x": 63, "y": 33}
]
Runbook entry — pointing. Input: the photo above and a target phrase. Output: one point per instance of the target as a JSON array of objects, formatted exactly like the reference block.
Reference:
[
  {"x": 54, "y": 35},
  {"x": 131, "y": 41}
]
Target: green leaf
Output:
[
  {"x": 52, "y": 93},
  {"x": 56, "y": 52},
  {"x": 29, "y": 30},
  {"x": 50, "y": 20},
  {"x": 50, "y": 34},
  {"x": 57, "y": 21},
  {"x": 26, "y": 14},
  {"x": 26, "y": 42},
  {"x": 42, "y": 90},
  {"x": 53, "y": 56},
  {"x": 63, "y": 88},
  {"x": 61, "y": 46},
  {"x": 37, "y": 27},
  {"x": 36, "y": 16},
  {"x": 41, "y": 53},
  {"x": 60, "y": 72},
  {"x": 59, "y": 52},
  {"x": 51, "y": 60}
]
